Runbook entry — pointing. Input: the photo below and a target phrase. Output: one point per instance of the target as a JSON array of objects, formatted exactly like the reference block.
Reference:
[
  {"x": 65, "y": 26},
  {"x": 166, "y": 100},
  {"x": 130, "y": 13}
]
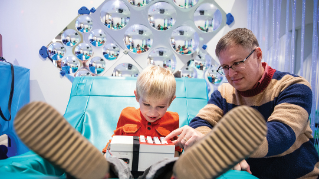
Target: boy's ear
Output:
[{"x": 136, "y": 96}]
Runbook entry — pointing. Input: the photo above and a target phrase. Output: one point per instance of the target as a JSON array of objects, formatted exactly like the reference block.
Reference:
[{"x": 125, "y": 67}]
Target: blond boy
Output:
[{"x": 155, "y": 91}]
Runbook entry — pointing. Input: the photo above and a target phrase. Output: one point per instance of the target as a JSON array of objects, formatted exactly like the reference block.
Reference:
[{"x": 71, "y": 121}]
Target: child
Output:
[{"x": 155, "y": 91}]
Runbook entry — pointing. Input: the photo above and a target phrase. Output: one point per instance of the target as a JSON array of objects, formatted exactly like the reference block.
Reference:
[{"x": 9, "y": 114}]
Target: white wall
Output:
[
  {"x": 26, "y": 26},
  {"x": 238, "y": 8}
]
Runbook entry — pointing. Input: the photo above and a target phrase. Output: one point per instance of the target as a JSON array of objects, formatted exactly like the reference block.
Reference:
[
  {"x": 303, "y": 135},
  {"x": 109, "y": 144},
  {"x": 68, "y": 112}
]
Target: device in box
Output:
[{"x": 141, "y": 152}]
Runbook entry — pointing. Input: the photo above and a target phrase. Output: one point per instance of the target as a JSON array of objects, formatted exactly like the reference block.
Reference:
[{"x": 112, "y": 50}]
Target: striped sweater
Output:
[{"x": 285, "y": 102}]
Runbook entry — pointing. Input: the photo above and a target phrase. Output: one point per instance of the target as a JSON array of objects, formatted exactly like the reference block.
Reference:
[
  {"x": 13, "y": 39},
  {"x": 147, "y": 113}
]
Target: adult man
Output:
[{"x": 283, "y": 99}]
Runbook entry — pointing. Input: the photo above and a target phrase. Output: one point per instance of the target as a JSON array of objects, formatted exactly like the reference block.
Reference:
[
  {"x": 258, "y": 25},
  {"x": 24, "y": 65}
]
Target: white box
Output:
[{"x": 147, "y": 153}]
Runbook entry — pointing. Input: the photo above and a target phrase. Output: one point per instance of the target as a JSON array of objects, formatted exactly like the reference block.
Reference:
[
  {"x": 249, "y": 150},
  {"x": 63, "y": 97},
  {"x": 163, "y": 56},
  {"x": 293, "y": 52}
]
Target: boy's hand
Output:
[{"x": 187, "y": 137}]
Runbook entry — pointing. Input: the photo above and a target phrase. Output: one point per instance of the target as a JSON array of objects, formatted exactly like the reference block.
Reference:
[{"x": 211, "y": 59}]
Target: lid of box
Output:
[{"x": 122, "y": 143}]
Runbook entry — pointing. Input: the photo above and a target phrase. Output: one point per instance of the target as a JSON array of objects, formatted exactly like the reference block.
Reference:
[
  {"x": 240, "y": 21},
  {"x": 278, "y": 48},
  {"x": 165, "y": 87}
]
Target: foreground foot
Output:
[
  {"x": 238, "y": 134},
  {"x": 47, "y": 133}
]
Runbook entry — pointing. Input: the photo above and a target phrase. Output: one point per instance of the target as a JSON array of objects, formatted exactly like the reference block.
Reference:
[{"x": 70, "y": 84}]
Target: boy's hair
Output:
[
  {"x": 239, "y": 36},
  {"x": 156, "y": 82}
]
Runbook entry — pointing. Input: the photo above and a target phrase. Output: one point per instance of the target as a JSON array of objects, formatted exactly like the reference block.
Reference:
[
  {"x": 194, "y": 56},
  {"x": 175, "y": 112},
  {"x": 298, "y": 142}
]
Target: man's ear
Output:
[
  {"x": 136, "y": 96},
  {"x": 259, "y": 54}
]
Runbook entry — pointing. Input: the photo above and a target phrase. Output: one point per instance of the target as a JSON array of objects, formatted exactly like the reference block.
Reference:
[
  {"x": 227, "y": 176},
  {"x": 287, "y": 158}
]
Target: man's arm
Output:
[
  {"x": 203, "y": 122},
  {"x": 288, "y": 125}
]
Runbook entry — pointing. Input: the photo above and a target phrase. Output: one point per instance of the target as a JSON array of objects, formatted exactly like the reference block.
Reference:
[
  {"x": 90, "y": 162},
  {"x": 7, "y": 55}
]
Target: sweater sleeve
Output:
[{"x": 288, "y": 124}]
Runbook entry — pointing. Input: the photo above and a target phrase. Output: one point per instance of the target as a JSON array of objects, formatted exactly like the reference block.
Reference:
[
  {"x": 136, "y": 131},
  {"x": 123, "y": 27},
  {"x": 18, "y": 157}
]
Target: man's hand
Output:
[
  {"x": 242, "y": 166},
  {"x": 187, "y": 137}
]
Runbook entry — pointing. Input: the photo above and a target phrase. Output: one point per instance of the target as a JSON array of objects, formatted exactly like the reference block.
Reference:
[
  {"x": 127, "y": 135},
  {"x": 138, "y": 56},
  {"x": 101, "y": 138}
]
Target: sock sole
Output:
[
  {"x": 45, "y": 131},
  {"x": 235, "y": 137}
]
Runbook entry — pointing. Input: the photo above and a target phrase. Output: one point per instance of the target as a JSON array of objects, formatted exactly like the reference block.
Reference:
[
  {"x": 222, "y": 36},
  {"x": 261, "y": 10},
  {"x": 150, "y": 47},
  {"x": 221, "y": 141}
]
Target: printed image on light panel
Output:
[
  {"x": 70, "y": 64},
  {"x": 189, "y": 71},
  {"x": 111, "y": 51},
  {"x": 115, "y": 15},
  {"x": 161, "y": 16},
  {"x": 162, "y": 57},
  {"x": 56, "y": 51},
  {"x": 84, "y": 70},
  {"x": 125, "y": 70},
  {"x": 83, "y": 51},
  {"x": 70, "y": 38},
  {"x": 139, "y": 3},
  {"x": 185, "y": 4},
  {"x": 207, "y": 17},
  {"x": 202, "y": 61},
  {"x": 213, "y": 76},
  {"x": 138, "y": 38},
  {"x": 84, "y": 23},
  {"x": 184, "y": 40},
  {"x": 97, "y": 37},
  {"x": 97, "y": 65}
]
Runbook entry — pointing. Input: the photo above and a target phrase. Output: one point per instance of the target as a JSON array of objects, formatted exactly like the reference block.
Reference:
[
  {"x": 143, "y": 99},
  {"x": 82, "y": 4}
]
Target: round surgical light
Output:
[
  {"x": 56, "y": 51},
  {"x": 115, "y": 14},
  {"x": 83, "y": 51},
  {"x": 70, "y": 37},
  {"x": 84, "y": 23},
  {"x": 207, "y": 17},
  {"x": 139, "y": 3},
  {"x": 185, "y": 4},
  {"x": 97, "y": 65},
  {"x": 213, "y": 76},
  {"x": 125, "y": 70},
  {"x": 184, "y": 40},
  {"x": 70, "y": 64},
  {"x": 97, "y": 37},
  {"x": 162, "y": 16},
  {"x": 162, "y": 57},
  {"x": 138, "y": 38},
  {"x": 111, "y": 51}
]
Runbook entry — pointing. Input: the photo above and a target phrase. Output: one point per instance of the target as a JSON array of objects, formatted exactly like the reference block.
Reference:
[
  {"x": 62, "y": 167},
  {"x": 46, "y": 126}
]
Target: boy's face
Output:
[{"x": 153, "y": 109}]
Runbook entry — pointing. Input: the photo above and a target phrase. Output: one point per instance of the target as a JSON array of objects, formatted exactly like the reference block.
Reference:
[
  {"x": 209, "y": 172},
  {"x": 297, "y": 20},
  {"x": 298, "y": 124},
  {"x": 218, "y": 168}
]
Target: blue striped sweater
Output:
[{"x": 285, "y": 102}]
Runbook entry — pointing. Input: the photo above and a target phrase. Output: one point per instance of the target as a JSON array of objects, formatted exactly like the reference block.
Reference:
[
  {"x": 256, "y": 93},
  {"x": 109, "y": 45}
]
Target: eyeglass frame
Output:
[{"x": 220, "y": 69}]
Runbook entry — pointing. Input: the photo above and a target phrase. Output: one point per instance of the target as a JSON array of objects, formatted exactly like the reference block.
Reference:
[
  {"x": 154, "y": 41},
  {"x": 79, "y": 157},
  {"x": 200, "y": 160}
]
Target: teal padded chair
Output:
[{"x": 94, "y": 107}]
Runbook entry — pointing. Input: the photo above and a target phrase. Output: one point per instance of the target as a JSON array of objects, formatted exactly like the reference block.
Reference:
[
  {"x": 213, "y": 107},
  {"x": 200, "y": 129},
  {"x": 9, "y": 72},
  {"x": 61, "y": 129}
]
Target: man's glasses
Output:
[{"x": 237, "y": 66}]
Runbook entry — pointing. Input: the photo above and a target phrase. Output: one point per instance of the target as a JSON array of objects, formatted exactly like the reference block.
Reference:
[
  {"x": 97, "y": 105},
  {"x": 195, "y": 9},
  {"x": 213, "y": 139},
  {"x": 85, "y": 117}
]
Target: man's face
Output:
[
  {"x": 153, "y": 109},
  {"x": 245, "y": 79}
]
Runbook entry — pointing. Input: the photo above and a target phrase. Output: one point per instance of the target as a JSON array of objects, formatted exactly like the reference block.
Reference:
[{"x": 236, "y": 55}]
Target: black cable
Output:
[{"x": 11, "y": 91}]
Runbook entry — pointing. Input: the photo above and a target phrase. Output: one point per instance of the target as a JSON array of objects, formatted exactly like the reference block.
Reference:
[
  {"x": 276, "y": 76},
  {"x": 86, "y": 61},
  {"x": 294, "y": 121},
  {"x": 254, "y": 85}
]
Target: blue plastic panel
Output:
[
  {"x": 21, "y": 96},
  {"x": 179, "y": 106},
  {"x": 195, "y": 88},
  {"x": 193, "y": 107}
]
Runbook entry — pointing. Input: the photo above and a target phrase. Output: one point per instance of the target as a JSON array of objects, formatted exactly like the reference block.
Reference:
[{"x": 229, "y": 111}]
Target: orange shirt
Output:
[{"x": 133, "y": 123}]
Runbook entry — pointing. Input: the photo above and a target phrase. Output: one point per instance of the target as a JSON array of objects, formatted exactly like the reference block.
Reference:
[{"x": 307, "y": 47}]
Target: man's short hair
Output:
[
  {"x": 239, "y": 36},
  {"x": 156, "y": 82}
]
